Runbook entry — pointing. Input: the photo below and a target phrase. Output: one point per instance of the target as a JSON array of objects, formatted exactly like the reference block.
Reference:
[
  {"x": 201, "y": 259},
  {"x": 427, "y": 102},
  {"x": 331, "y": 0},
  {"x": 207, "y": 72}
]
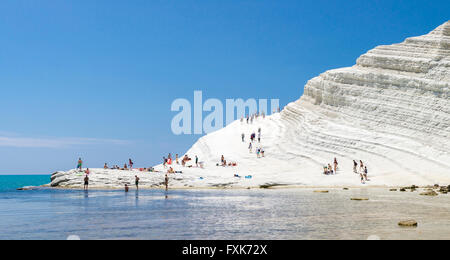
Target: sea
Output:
[{"x": 206, "y": 214}]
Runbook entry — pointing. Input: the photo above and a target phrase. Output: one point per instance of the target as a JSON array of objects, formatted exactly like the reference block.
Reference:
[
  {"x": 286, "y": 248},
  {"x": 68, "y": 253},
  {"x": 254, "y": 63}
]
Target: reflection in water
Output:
[{"x": 222, "y": 214}]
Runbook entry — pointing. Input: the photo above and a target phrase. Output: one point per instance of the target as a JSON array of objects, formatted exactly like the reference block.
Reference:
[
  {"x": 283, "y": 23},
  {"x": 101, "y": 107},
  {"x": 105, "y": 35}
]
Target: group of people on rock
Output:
[
  {"x": 223, "y": 162},
  {"x": 259, "y": 149},
  {"x": 329, "y": 170},
  {"x": 125, "y": 167},
  {"x": 358, "y": 168},
  {"x": 361, "y": 170},
  {"x": 137, "y": 179},
  {"x": 253, "y": 117},
  {"x": 184, "y": 161}
]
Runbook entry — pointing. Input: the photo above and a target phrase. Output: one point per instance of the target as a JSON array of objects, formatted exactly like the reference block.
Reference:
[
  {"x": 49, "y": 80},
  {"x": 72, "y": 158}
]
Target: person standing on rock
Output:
[
  {"x": 86, "y": 182},
  {"x": 137, "y": 181},
  {"x": 130, "y": 163},
  {"x": 80, "y": 165},
  {"x": 196, "y": 161}
]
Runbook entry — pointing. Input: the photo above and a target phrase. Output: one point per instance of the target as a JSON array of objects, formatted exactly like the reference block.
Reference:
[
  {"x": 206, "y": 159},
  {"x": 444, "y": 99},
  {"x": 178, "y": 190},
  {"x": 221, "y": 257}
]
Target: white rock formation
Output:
[{"x": 391, "y": 110}]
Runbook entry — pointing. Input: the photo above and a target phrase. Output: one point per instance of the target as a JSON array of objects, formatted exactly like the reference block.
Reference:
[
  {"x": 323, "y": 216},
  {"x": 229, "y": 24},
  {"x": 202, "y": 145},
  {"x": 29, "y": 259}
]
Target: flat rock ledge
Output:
[
  {"x": 430, "y": 193},
  {"x": 408, "y": 223},
  {"x": 359, "y": 199}
]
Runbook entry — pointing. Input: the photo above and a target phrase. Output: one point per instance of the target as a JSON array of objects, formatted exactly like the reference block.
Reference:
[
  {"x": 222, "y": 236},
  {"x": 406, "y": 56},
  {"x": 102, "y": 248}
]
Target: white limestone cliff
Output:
[{"x": 391, "y": 110}]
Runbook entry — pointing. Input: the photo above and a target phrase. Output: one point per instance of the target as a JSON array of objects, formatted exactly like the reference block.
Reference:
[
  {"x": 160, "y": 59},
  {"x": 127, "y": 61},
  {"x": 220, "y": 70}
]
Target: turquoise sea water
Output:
[
  {"x": 12, "y": 182},
  {"x": 216, "y": 214}
]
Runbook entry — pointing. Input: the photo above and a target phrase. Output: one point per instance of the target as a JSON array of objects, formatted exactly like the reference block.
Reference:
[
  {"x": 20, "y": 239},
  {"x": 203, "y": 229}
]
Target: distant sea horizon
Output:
[{"x": 10, "y": 182}]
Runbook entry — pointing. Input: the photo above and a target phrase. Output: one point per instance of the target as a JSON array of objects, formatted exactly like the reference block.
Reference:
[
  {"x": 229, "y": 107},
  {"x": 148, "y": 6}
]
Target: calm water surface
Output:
[{"x": 220, "y": 214}]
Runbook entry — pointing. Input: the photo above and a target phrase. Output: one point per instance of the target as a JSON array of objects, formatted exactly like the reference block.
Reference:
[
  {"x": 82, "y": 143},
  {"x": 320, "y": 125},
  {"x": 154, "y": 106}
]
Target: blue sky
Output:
[{"x": 96, "y": 78}]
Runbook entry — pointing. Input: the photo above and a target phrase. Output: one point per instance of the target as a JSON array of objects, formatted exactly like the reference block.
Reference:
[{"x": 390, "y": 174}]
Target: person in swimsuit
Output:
[
  {"x": 166, "y": 182},
  {"x": 80, "y": 164},
  {"x": 126, "y": 188},
  {"x": 86, "y": 182},
  {"x": 137, "y": 181},
  {"x": 335, "y": 165},
  {"x": 130, "y": 162}
]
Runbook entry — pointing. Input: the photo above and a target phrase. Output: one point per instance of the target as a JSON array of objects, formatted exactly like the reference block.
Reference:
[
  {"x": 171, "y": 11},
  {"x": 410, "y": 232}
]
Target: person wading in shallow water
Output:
[
  {"x": 126, "y": 188},
  {"x": 86, "y": 182},
  {"x": 166, "y": 182},
  {"x": 137, "y": 182}
]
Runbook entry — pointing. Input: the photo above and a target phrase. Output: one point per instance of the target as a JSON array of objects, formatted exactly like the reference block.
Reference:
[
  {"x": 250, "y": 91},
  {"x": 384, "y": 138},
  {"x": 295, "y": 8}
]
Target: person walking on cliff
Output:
[{"x": 335, "y": 165}]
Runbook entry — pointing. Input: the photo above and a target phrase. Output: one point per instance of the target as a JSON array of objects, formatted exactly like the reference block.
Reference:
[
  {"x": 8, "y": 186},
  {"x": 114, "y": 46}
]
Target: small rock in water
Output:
[
  {"x": 345, "y": 188},
  {"x": 321, "y": 191},
  {"x": 408, "y": 223},
  {"x": 359, "y": 199},
  {"x": 25, "y": 188},
  {"x": 402, "y": 189},
  {"x": 429, "y": 193},
  {"x": 393, "y": 190}
]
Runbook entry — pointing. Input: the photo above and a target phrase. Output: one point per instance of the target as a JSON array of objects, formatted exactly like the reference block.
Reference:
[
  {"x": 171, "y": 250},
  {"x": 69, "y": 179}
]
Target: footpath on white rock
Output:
[{"x": 391, "y": 111}]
